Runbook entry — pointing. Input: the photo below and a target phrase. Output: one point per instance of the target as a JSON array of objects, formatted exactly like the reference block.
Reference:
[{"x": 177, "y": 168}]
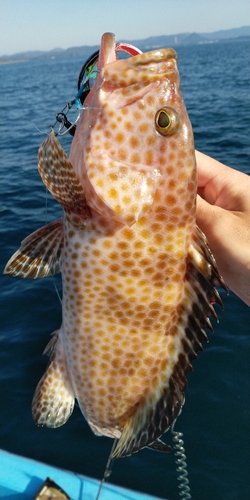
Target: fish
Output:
[{"x": 139, "y": 280}]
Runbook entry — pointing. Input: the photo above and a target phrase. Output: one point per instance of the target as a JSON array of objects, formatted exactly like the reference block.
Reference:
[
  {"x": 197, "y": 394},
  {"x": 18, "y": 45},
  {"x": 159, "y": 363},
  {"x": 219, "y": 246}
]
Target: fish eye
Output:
[{"x": 166, "y": 121}]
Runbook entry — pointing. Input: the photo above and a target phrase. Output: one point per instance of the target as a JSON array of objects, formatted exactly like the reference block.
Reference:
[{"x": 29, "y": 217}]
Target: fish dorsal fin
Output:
[
  {"x": 162, "y": 406},
  {"x": 54, "y": 399},
  {"x": 39, "y": 254},
  {"x": 158, "y": 445},
  {"x": 59, "y": 176}
]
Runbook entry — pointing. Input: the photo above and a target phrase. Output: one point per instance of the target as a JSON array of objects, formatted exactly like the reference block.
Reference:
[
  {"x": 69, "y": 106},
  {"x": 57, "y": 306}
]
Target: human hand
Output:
[{"x": 223, "y": 214}]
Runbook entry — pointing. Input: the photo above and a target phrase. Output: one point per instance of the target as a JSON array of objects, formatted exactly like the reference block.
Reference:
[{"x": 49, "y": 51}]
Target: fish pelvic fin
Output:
[
  {"x": 54, "y": 399},
  {"x": 39, "y": 254},
  {"x": 60, "y": 178},
  {"x": 160, "y": 408}
]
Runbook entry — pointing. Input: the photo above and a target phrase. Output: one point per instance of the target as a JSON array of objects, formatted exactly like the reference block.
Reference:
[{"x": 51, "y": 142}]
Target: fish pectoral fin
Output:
[
  {"x": 59, "y": 176},
  {"x": 39, "y": 254},
  {"x": 54, "y": 398}
]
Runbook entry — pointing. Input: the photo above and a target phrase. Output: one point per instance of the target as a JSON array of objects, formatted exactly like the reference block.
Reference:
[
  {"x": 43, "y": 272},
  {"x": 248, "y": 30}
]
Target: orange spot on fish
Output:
[
  {"x": 149, "y": 157},
  {"x": 122, "y": 154},
  {"x": 135, "y": 158},
  {"x": 128, "y": 126},
  {"x": 137, "y": 115},
  {"x": 119, "y": 137},
  {"x": 133, "y": 141},
  {"x": 143, "y": 128}
]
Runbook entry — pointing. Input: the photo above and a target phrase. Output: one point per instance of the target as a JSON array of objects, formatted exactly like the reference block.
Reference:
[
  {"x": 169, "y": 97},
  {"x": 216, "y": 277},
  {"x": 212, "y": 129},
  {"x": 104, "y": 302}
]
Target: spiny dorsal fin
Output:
[
  {"x": 39, "y": 254},
  {"x": 156, "y": 414},
  {"x": 59, "y": 177},
  {"x": 54, "y": 399}
]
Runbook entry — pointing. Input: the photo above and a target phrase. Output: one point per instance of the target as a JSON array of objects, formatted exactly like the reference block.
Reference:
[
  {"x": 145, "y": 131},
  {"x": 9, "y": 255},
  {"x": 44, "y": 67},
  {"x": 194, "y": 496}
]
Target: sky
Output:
[{"x": 48, "y": 24}]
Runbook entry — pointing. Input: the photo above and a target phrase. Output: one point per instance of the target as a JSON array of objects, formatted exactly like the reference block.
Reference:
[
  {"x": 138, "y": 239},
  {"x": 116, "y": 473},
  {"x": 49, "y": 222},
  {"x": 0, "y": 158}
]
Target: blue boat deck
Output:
[{"x": 21, "y": 478}]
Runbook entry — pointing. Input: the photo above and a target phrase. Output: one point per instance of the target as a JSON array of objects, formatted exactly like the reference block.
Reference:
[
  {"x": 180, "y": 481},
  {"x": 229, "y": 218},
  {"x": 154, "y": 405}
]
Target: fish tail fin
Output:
[{"x": 54, "y": 399}]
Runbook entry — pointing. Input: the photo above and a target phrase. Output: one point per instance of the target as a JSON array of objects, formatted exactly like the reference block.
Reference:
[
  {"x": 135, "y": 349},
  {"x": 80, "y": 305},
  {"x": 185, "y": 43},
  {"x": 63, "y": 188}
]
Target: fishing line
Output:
[
  {"x": 108, "y": 469},
  {"x": 181, "y": 464},
  {"x": 46, "y": 222},
  {"x": 38, "y": 129},
  {"x": 57, "y": 291}
]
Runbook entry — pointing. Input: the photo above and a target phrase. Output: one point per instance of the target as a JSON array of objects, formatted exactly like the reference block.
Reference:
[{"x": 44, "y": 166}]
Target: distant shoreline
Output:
[
  {"x": 10, "y": 61},
  {"x": 149, "y": 43}
]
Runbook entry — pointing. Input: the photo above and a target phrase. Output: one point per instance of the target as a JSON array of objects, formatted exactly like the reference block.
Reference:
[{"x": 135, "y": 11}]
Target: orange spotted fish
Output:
[{"x": 138, "y": 276}]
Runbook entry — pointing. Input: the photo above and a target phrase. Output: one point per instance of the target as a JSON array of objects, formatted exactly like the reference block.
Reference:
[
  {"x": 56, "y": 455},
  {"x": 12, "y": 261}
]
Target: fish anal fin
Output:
[
  {"x": 39, "y": 254},
  {"x": 54, "y": 399},
  {"x": 60, "y": 178}
]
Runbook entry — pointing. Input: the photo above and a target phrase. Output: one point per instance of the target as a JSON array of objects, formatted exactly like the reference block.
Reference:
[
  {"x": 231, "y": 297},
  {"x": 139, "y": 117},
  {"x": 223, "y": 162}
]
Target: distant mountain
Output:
[
  {"x": 192, "y": 38},
  {"x": 232, "y": 33},
  {"x": 153, "y": 42},
  {"x": 32, "y": 54}
]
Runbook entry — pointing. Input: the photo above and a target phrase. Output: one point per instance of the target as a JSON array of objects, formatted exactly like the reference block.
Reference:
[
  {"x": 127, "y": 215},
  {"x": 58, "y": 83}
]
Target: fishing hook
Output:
[{"x": 71, "y": 127}]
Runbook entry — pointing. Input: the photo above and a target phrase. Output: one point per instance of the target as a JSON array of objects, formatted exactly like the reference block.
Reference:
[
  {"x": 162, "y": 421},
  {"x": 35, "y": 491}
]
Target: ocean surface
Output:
[{"x": 215, "y": 417}]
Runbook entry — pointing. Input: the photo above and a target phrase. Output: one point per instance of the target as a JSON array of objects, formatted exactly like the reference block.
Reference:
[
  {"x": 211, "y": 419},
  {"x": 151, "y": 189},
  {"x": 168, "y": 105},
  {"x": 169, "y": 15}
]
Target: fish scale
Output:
[{"x": 138, "y": 276}]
